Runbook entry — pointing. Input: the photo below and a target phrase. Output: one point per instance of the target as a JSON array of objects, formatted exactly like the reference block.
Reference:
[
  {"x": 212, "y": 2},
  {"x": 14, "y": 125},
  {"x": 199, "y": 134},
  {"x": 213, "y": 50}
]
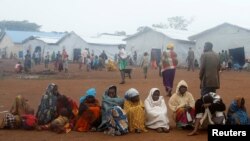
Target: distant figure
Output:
[
  {"x": 190, "y": 59},
  {"x": 27, "y": 62},
  {"x": 122, "y": 62},
  {"x": 46, "y": 61},
  {"x": 145, "y": 64},
  {"x": 209, "y": 70},
  {"x": 135, "y": 57},
  {"x": 18, "y": 67},
  {"x": 169, "y": 63},
  {"x": 196, "y": 64}
]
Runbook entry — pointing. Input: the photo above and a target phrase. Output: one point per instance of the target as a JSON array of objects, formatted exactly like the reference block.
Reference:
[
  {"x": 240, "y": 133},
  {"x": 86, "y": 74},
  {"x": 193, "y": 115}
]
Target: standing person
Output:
[
  {"x": 182, "y": 104},
  {"x": 65, "y": 57},
  {"x": 209, "y": 70},
  {"x": 46, "y": 61},
  {"x": 145, "y": 63},
  {"x": 135, "y": 57},
  {"x": 190, "y": 59},
  {"x": 84, "y": 55},
  {"x": 156, "y": 112},
  {"x": 122, "y": 62},
  {"x": 169, "y": 63},
  {"x": 27, "y": 62}
]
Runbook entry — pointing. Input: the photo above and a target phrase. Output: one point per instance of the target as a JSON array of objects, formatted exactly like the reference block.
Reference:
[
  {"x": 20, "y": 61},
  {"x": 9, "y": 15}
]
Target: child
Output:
[
  {"x": 61, "y": 123},
  {"x": 29, "y": 120},
  {"x": 18, "y": 67}
]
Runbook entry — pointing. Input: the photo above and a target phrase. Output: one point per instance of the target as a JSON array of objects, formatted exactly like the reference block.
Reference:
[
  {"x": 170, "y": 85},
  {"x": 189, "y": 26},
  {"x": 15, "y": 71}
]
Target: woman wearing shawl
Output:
[
  {"x": 169, "y": 63},
  {"x": 182, "y": 104},
  {"x": 47, "y": 109},
  {"x": 19, "y": 108},
  {"x": 237, "y": 113},
  {"x": 134, "y": 109},
  {"x": 209, "y": 109},
  {"x": 109, "y": 101},
  {"x": 156, "y": 111},
  {"x": 89, "y": 112}
]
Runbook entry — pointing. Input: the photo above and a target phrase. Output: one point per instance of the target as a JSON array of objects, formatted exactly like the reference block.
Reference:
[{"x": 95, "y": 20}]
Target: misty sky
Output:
[{"x": 89, "y": 17}]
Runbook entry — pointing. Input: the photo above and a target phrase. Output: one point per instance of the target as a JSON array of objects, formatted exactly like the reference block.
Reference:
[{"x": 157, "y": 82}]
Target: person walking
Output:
[
  {"x": 169, "y": 63},
  {"x": 190, "y": 59}
]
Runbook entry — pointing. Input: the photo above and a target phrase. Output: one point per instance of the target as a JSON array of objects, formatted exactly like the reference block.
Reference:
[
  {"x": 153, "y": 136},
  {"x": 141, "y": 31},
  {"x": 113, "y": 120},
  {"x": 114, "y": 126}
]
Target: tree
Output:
[
  {"x": 19, "y": 25},
  {"x": 177, "y": 22}
]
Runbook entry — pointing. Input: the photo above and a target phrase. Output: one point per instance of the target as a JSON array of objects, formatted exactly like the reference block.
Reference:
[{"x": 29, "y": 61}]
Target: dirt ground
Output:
[{"x": 76, "y": 82}]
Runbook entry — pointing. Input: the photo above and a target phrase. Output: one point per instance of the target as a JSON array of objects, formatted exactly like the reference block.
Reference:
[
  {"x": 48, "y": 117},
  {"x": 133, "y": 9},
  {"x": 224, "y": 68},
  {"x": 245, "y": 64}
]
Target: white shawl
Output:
[{"x": 156, "y": 112}]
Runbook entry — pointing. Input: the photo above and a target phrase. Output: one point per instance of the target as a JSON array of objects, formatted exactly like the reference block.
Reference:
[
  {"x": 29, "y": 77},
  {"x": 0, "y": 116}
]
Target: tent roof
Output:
[
  {"x": 20, "y": 36},
  {"x": 194, "y": 37},
  {"x": 179, "y": 35},
  {"x": 105, "y": 39}
]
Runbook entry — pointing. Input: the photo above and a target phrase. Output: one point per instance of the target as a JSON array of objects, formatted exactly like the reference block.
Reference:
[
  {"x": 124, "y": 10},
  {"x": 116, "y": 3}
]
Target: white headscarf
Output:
[
  {"x": 122, "y": 53},
  {"x": 132, "y": 92},
  {"x": 150, "y": 99}
]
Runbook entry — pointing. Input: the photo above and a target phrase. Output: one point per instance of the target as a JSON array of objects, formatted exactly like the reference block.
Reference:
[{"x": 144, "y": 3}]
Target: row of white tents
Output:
[{"x": 152, "y": 40}]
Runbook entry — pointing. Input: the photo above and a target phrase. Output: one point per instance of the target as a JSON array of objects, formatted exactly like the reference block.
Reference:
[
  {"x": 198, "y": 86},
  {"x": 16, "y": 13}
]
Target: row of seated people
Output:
[{"x": 119, "y": 116}]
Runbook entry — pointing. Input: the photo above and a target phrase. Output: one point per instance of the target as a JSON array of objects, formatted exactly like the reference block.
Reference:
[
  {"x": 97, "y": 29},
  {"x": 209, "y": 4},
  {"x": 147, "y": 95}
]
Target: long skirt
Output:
[{"x": 168, "y": 78}]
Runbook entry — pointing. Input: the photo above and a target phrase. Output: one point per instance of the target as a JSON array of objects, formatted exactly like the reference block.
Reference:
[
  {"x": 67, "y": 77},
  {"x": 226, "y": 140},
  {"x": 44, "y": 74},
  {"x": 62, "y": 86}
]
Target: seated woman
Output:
[
  {"x": 134, "y": 109},
  {"x": 209, "y": 109},
  {"x": 89, "y": 112},
  {"x": 12, "y": 119},
  {"x": 237, "y": 114},
  {"x": 156, "y": 111},
  {"x": 47, "y": 110},
  {"x": 112, "y": 108},
  {"x": 182, "y": 104}
]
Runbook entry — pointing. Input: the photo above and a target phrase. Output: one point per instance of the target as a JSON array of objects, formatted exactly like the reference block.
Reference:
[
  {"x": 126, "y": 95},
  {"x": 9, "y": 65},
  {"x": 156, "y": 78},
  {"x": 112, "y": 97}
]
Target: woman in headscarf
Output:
[
  {"x": 12, "y": 119},
  {"x": 209, "y": 109},
  {"x": 89, "y": 112},
  {"x": 182, "y": 104},
  {"x": 237, "y": 114},
  {"x": 109, "y": 100},
  {"x": 169, "y": 63},
  {"x": 156, "y": 111},
  {"x": 47, "y": 110},
  {"x": 134, "y": 109}
]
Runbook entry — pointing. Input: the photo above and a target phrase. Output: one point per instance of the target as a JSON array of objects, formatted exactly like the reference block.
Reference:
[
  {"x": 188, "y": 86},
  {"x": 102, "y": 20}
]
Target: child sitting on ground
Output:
[
  {"x": 61, "y": 123},
  {"x": 18, "y": 67},
  {"x": 29, "y": 120}
]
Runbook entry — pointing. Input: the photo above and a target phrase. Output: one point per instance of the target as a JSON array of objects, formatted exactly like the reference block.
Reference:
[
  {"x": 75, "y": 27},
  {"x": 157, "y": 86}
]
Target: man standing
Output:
[
  {"x": 190, "y": 59},
  {"x": 209, "y": 70}
]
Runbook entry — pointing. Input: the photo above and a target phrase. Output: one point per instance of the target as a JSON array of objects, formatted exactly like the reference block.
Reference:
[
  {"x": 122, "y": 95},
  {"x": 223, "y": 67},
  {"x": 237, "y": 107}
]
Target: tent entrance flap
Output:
[{"x": 238, "y": 55}]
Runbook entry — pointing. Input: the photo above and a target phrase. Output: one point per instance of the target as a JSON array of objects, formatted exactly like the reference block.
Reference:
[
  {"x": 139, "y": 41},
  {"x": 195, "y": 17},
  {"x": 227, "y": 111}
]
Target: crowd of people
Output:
[{"x": 118, "y": 115}]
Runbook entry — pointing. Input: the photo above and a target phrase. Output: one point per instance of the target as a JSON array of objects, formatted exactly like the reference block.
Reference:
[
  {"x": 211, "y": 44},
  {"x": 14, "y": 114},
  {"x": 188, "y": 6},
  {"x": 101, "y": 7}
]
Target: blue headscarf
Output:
[{"x": 89, "y": 92}]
